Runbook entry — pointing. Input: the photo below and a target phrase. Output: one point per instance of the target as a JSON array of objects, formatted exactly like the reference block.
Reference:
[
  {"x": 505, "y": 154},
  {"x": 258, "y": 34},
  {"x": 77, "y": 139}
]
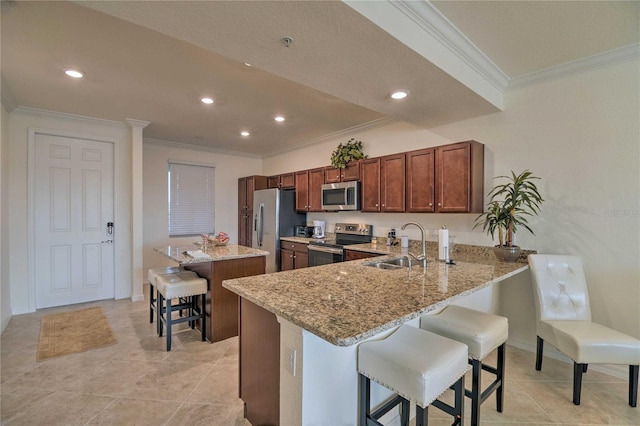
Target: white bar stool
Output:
[
  {"x": 482, "y": 333},
  {"x": 182, "y": 285},
  {"x": 152, "y": 275},
  {"x": 418, "y": 366}
]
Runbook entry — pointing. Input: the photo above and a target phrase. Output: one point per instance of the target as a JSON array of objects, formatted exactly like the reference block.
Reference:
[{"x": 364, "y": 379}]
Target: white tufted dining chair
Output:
[{"x": 564, "y": 320}]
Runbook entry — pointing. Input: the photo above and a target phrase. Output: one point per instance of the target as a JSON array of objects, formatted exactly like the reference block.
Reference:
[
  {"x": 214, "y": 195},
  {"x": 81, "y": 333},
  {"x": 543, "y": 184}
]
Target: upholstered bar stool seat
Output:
[
  {"x": 482, "y": 333},
  {"x": 152, "y": 275},
  {"x": 417, "y": 366},
  {"x": 185, "y": 286}
]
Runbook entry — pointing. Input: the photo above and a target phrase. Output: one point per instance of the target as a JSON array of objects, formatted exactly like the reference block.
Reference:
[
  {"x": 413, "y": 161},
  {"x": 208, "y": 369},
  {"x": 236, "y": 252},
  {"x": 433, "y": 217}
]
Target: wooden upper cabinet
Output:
[
  {"x": 421, "y": 175},
  {"x": 274, "y": 181},
  {"x": 302, "y": 190},
  {"x": 316, "y": 179},
  {"x": 349, "y": 173},
  {"x": 370, "y": 185},
  {"x": 460, "y": 178},
  {"x": 392, "y": 183},
  {"x": 309, "y": 190},
  {"x": 287, "y": 180}
]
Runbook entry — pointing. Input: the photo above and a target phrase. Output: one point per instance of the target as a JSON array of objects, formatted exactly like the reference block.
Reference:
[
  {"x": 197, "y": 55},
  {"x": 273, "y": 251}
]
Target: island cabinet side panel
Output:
[
  {"x": 222, "y": 304},
  {"x": 259, "y": 364}
]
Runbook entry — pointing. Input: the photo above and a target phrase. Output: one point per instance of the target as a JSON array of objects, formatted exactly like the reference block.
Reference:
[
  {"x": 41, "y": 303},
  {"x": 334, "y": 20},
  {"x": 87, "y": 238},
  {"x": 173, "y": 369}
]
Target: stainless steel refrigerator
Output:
[{"x": 274, "y": 216}]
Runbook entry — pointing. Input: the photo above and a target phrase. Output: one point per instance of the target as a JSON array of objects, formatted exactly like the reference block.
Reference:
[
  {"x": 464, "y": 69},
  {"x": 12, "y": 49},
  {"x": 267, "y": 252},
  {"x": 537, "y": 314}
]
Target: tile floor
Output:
[{"x": 136, "y": 382}]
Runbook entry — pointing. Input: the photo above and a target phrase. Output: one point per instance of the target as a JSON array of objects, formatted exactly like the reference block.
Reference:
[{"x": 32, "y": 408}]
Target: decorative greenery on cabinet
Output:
[{"x": 349, "y": 151}]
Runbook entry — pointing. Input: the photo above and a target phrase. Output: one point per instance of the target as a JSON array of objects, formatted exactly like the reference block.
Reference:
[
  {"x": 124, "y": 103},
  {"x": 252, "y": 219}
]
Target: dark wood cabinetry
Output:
[
  {"x": 259, "y": 364},
  {"x": 284, "y": 181},
  {"x": 383, "y": 183},
  {"x": 460, "y": 178},
  {"x": 355, "y": 255},
  {"x": 421, "y": 175},
  {"x": 222, "y": 304},
  {"x": 246, "y": 187},
  {"x": 309, "y": 190},
  {"x": 349, "y": 173},
  {"x": 293, "y": 255}
]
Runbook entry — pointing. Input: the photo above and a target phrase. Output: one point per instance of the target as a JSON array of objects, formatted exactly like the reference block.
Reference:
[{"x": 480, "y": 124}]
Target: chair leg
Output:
[
  {"x": 168, "y": 318},
  {"x": 500, "y": 376},
  {"x": 159, "y": 312},
  {"x": 476, "y": 391},
  {"x": 458, "y": 398},
  {"x": 404, "y": 412},
  {"x": 365, "y": 399},
  {"x": 152, "y": 300},
  {"x": 422, "y": 416},
  {"x": 584, "y": 367},
  {"x": 539, "y": 345},
  {"x": 633, "y": 385},
  {"x": 203, "y": 321},
  {"x": 577, "y": 382}
]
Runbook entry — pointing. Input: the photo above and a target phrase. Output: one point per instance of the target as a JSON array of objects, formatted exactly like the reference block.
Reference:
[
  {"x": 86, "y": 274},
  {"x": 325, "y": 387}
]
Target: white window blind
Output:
[{"x": 191, "y": 199}]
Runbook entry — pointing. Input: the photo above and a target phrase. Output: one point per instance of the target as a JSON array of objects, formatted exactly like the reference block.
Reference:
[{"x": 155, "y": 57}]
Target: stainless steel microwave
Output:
[{"x": 341, "y": 196}]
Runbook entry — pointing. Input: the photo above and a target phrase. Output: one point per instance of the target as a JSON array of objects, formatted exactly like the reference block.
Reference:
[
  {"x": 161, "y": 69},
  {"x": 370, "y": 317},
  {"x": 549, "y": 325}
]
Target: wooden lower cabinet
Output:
[
  {"x": 293, "y": 255},
  {"x": 259, "y": 364},
  {"x": 222, "y": 304},
  {"x": 355, "y": 255}
]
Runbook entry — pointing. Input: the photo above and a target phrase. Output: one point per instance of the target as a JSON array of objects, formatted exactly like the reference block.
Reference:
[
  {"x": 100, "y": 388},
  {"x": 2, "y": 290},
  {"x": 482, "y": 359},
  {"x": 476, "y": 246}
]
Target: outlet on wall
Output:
[{"x": 291, "y": 361}]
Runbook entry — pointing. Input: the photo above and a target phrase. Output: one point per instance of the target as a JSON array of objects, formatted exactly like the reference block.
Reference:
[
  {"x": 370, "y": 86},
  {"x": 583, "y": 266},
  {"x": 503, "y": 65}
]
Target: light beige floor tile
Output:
[
  {"x": 135, "y": 412},
  {"x": 219, "y": 387},
  {"x": 62, "y": 408},
  {"x": 15, "y": 404},
  {"x": 209, "y": 415}
]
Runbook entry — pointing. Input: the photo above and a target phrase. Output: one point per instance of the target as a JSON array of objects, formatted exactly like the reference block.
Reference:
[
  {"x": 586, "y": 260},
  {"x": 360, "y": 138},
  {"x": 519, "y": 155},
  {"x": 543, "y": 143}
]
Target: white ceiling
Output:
[{"x": 153, "y": 61}]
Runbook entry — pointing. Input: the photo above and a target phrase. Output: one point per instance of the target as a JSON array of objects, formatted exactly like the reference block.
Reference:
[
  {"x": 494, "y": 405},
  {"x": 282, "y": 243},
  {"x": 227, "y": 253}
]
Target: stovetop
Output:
[{"x": 347, "y": 234}]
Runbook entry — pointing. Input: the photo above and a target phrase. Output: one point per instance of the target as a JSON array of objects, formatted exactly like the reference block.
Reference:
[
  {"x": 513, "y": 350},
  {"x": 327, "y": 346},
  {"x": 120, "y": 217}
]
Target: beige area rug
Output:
[{"x": 72, "y": 332}]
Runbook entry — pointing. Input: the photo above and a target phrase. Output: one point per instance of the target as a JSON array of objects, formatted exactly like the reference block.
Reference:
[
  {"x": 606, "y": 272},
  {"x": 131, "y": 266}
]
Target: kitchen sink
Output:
[{"x": 397, "y": 263}]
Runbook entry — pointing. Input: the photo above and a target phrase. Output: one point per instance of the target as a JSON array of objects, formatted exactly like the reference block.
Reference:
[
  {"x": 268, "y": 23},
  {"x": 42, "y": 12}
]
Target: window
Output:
[{"x": 191, "y": 199}]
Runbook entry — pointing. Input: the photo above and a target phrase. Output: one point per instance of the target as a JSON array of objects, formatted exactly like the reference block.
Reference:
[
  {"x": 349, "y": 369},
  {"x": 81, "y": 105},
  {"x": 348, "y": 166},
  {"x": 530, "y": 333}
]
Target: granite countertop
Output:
[
  {"x": 346, "y": 303},
  {"x": 299, "y": 240},
  {"x": 216, "y": 253}
]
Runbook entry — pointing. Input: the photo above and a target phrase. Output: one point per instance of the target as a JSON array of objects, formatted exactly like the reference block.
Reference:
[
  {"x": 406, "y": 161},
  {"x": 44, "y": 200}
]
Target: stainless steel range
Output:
[{"x": 325, "y": 251}]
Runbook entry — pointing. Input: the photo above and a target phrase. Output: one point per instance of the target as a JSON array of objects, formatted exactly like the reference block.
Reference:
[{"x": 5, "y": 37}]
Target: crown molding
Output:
[
  {"x": 67, "y": 116},
  {"x": 182, "y": 145},
  {"x": 133, "y": 123},
  {"x": 335, "y": 135},
  {"x": 600, "y": 60},
  {"x": 433, "y": 22},
  {"x": 8, "y": 100}
]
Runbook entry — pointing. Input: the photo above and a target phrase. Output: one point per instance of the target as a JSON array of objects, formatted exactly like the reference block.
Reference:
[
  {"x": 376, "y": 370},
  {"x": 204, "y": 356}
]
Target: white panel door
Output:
[{"x": 73, "y": 205}]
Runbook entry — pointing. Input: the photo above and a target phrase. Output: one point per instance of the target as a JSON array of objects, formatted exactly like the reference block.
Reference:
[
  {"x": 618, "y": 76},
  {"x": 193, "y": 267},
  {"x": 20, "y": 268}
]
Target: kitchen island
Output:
[
  {"x": 320, "y": 315},
  {"x": 223, "y": 262}
]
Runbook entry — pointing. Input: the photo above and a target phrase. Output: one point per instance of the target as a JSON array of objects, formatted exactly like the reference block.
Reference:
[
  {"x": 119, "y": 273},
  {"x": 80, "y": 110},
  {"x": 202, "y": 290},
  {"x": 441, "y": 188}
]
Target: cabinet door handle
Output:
[
  {"x": 430, "y": 204},
  {"x": 376, "y": 205},
  {"x": 439, "y": 204}
]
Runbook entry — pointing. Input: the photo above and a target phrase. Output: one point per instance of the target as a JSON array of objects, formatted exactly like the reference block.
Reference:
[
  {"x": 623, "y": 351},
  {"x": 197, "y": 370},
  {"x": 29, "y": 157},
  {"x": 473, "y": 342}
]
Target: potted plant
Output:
[
  {"x": 351, "y": 150},
  {"x": 510, "y": 204}
]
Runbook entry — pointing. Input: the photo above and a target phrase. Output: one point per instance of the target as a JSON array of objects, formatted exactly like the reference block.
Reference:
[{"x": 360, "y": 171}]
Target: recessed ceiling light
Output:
[
  {"x": 279, "y": 118},
  {"x": 245, "y": 133},
  {"x": 206, "y": 100},
  {"x": 400, "y": 94},
  {"x": 248, "y": 64},
  {"x": 73, "y": 73}
]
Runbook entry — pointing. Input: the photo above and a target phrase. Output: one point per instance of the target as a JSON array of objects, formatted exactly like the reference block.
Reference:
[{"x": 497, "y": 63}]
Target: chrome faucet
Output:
[{"x": 423, "y": 256}]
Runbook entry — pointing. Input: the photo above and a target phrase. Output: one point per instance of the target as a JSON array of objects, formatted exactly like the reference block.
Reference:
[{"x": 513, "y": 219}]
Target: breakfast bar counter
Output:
[
  {"x": 217, "y": 264},
  {"x": 322, "y": 313}
]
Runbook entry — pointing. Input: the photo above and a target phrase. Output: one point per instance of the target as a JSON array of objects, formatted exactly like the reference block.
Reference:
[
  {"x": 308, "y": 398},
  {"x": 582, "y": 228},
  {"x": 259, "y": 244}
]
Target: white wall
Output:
[
  {"x": 155, "y": 221},
  {"x": 581, "y": 135},
  {"x": 5, "y": 288},
  {"x": 20, "y": 121}
]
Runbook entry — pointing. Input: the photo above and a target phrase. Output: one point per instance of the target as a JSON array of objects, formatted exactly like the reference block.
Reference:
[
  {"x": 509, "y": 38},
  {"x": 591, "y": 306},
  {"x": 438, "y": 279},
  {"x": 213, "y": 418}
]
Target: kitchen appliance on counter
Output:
[
  {"x": 275, "y": 216},
  {"x": 341, "y": 196},
  {"x": 322, "y": 252},
  {"x": 318, "y": 228},
  {"x": 303, "y": 231}
]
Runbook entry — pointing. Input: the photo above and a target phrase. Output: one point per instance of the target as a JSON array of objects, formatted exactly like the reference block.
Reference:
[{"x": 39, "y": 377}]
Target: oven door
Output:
[{"x": 323, "y": 255}]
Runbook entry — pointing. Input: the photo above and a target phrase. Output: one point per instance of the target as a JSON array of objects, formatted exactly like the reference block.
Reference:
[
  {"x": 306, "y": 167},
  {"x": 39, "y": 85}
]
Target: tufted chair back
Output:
[{"x": 560, "y": 288}]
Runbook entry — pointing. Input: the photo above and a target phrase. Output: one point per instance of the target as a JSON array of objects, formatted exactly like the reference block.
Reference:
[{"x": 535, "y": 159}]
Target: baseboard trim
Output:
[{"x": 138, "y": 298}]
